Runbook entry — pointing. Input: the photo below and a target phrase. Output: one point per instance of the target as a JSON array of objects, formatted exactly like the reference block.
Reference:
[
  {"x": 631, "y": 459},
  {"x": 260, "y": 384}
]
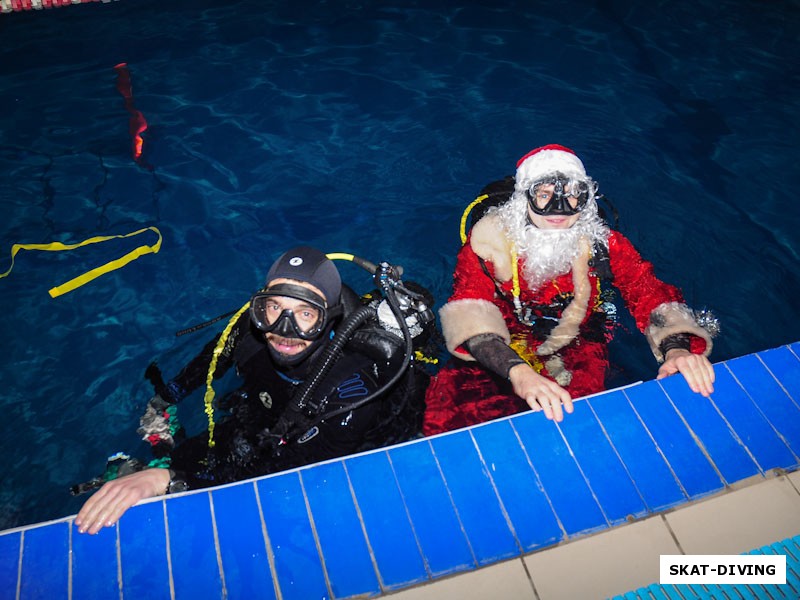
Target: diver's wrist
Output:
[{"x": 176, "y": 483}]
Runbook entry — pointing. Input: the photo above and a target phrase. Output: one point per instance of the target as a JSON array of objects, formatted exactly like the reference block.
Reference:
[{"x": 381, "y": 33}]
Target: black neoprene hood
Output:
[{"x": 309, "y": 265}]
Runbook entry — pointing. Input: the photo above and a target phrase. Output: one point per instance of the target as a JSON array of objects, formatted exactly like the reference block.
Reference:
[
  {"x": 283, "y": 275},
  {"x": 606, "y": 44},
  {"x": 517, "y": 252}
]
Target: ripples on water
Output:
[{"x": 363, "y": 127}]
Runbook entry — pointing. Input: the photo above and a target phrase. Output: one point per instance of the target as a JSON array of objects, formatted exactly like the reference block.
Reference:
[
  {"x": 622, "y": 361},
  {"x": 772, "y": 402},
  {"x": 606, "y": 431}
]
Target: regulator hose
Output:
[
  {"x": 284, "y": 429},
  {"x": 331, "y": 354},
  {"x": 400, "y": 371}
]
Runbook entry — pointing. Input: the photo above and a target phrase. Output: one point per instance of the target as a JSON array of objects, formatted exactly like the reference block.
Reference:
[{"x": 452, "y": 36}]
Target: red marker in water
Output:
[{"x": 137, "y": 124}]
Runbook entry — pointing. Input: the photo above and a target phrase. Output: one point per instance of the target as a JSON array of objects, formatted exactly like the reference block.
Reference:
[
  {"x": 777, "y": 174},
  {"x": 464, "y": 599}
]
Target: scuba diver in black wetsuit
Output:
[{"x": 324, "y": 374}]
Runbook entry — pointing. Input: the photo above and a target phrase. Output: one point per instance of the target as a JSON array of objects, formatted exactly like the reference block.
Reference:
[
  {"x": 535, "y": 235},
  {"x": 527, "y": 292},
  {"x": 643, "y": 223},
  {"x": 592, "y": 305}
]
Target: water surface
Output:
[{"x": 363, "y": 127}]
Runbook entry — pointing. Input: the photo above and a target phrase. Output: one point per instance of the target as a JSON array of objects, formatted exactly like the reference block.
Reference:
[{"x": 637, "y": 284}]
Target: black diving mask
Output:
[
  {"x": 567, "y": 196},
  {"x": 305, "y": 316}
]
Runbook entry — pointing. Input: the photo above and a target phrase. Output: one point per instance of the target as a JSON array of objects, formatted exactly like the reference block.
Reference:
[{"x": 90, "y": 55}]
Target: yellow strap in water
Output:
[{"x": 77, "y": 282}]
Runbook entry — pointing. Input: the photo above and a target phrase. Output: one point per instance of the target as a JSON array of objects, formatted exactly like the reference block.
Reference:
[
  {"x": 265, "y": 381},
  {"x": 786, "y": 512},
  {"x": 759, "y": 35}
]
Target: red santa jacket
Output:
[{"x": 482, "y": 299}]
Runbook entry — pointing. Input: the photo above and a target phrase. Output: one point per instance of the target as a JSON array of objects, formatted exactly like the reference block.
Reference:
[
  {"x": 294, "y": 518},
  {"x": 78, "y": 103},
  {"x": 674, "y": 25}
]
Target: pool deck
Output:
[{"x": 516, "y": 508}]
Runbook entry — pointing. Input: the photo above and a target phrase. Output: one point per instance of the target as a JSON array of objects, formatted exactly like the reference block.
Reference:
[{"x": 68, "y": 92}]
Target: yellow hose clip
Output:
[{"x": 340, "y": 256}]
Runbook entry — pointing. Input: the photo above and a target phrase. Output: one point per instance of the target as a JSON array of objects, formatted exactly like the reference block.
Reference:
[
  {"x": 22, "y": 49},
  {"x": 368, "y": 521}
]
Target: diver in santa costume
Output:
[{"x": 529, "y": 320}]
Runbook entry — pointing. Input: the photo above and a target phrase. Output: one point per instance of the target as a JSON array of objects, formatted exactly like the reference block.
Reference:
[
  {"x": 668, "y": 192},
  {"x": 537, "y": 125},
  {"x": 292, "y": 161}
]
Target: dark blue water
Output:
[{"x": 365, "y": 127}]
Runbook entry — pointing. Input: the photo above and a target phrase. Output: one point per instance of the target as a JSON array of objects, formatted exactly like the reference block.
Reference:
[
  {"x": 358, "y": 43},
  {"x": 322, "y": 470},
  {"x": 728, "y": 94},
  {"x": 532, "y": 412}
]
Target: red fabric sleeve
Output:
[
  {"x": 636, "y": 281},
  {"x": 469, "y": 278},
  {"x": 697, "y": 345}
]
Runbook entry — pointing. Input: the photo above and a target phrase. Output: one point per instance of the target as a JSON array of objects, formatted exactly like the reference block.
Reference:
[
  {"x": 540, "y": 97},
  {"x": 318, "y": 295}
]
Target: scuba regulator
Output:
[{"x": 402, "y": 310}]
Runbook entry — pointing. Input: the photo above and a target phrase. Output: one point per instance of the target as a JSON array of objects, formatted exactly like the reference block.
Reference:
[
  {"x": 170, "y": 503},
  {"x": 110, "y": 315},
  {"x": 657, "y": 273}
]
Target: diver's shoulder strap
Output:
[
  {"x": 247, "y": 345},
  {"x": 377, "y": 344},
  {"x": 350, "y": 300}
]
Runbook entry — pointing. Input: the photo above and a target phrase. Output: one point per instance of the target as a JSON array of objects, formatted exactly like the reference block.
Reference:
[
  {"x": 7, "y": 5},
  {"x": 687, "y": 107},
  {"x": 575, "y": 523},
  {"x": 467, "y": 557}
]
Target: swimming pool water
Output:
[{"x": 364, "y": 127}]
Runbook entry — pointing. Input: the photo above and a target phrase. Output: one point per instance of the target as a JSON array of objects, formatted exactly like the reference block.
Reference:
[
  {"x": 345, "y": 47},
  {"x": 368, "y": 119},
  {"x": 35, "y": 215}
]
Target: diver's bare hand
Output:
[
  {"x": 539, "y": 392},
  {"x": 109, "y": 503},
  {"x": 696, "y": 369}
]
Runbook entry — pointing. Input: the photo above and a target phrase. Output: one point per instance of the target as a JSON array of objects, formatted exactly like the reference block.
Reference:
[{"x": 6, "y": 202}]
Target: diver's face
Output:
[
  {"x": 304, "y": 314},
  {"x": 553, "y": 221}
]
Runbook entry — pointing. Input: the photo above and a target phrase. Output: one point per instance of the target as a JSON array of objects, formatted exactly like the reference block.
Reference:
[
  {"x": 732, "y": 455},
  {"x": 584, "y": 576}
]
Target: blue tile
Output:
[
  {"x": 686, "y": 591},
  {"x": 788, "y": 549},
  {"x": 425, "y": 495},
  {"x": 752, "y": 592},
  {"x": 785, "y": 367},
  {"x": 659, "y": 593},
  {"x": 94, "y": 564},
  {"x": 679, "y": 592},
  {"x": 714, "y": 591},
  {"x": 245, "y": 562},
  {"x": 601, "y": 465},
  {"x": 297, "y": 562},
  {"x": 726, "y": 451},
  {"x": 769, "y": 450},
  {"x": 476, "y": 501},
  {"x": 572, "y": 499},
  {"x": 143, "y": 549},
  {"x": 688, "y": 462},
  {"x": 9, "y": 562},
  {"x": 791, "y": 549},
  {"x": 652, "y": 475},
  {"x": 45, "y": 562},
  {"x": 773, "y": 401},
  {"x": 341, "y": 537},
  {"x": 389, "y": 530},
  {"x": 521, "y": 492},
  {"x": 195, "y": 568}
]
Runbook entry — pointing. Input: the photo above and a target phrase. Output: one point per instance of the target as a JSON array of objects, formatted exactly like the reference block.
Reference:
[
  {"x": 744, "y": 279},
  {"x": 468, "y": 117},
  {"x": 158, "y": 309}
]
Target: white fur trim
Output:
[
  {"x": 489, "y": 241},
  {"x": 574, "y": 314},
  {"x": 555, "y": 366},
  {"x": 464, "y": 319},
  {"x": 668, "y": 319},
  {"x": 545, "y": 162}
]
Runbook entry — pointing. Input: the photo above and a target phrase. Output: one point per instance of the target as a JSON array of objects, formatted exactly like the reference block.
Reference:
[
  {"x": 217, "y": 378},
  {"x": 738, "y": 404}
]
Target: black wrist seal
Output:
[
  {"x": 676, "y": 341},
  {"x": 492, "y": 352}
]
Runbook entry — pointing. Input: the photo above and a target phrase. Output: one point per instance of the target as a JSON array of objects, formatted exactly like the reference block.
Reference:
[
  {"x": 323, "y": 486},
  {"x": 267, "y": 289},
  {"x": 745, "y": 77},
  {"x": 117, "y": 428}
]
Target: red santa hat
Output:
[{"x": 547, "y": 160}]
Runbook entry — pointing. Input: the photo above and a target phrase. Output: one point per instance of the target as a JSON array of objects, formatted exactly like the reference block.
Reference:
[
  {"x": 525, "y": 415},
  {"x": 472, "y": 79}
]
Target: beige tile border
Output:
[
  {"x": 754, "y": 513},
  {"x": 603, "y": 565},
  {"x": 502, "y": 581},
  {"x": 794, "y": 479},
  {"x": 740, "y": 520}
]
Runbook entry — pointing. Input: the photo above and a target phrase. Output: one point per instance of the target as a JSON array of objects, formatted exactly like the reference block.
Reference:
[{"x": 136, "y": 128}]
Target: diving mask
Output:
[
  {"x": 304, "y": 315},
  {"x": 558, "y": 194}
]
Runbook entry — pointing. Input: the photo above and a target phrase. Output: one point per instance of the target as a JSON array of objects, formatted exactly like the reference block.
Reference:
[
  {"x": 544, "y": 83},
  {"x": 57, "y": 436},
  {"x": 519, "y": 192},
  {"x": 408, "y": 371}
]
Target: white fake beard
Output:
[{"x": 548, "y": 253}]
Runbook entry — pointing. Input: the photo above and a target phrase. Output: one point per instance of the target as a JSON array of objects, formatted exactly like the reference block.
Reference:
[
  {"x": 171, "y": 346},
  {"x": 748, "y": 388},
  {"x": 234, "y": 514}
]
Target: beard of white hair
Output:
[{"x": 548, "y": 253}]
